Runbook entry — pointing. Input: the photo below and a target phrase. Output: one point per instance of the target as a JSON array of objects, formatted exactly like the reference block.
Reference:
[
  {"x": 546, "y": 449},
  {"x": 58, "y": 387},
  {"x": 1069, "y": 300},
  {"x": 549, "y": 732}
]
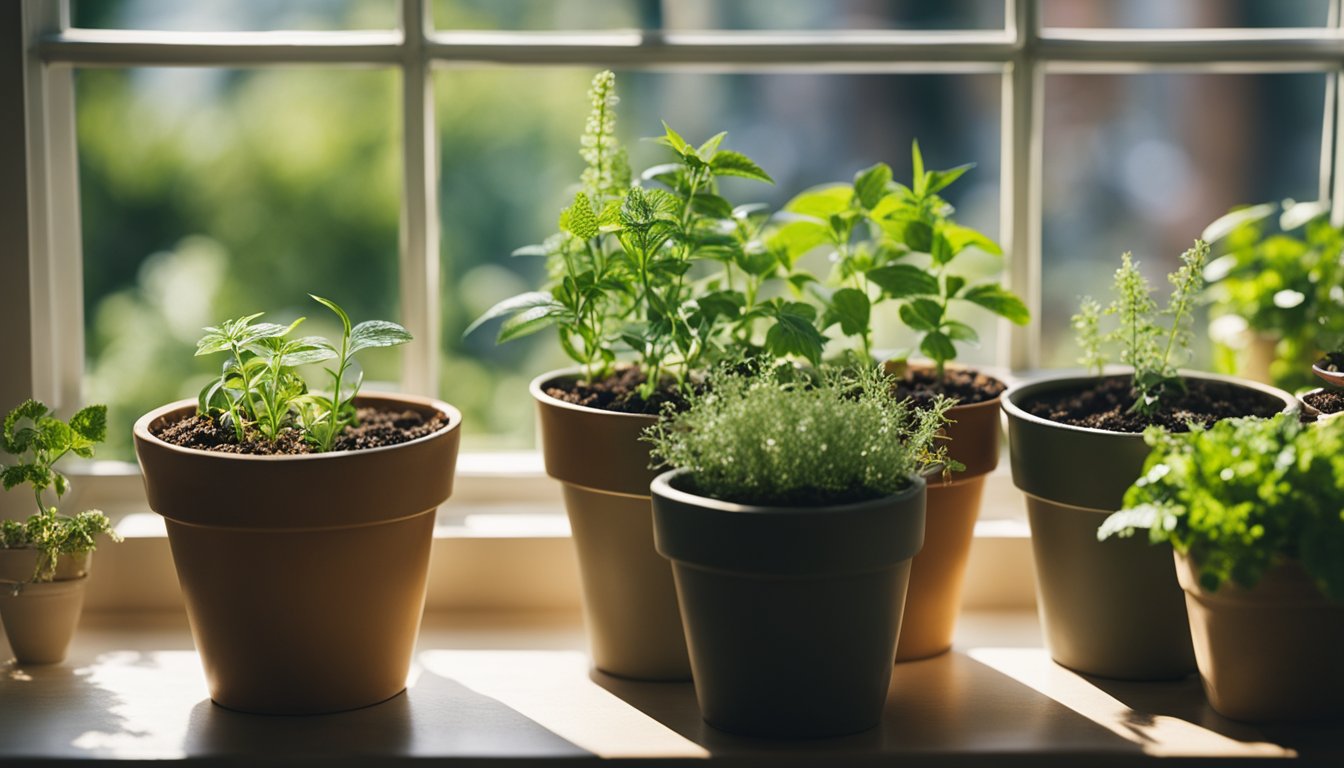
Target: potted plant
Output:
[
  {"x": 300, "y": 522},
  {"x": 1327, "y": 402},
  {"x": 1253, "y": 510},
  {"x": 790, "y": 520},
  {"x": 898, "y": 243},
  {"x": 1113, "y": 608},
  {"x": 652, "y": 282},
  {"x": 45, "y": 559}
]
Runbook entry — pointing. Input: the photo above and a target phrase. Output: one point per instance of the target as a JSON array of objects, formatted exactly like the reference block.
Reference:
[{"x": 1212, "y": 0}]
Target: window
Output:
[{"x": 407, "y": 147}]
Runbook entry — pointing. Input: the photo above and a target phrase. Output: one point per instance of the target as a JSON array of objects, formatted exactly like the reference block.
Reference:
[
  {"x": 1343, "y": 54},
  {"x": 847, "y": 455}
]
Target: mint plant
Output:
[
  {"x": 1242, "y": 496},
  {"x": 896, "y": 242},
  {"x": 259, "y": 386},
  {"x": 1152, "y": 350},
  {"x": 37, "y": 439}
]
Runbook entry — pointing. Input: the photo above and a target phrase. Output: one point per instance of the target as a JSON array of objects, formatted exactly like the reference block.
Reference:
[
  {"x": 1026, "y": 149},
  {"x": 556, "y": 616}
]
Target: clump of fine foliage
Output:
[
  {"x": 1242, "y": 496},
  {"x": 780, "y": 437},
  {"x": 1153, "y": 342},
  {"x": 260, "y": 388},
  {"x": 37, "y": 439}
]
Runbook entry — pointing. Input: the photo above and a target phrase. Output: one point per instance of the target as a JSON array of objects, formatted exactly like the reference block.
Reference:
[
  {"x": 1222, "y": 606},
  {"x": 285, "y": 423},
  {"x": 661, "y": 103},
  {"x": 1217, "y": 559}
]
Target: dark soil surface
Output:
[
  {"x": 1106, "y": 406},
  {"x": 1325, "y": 401},
  {"x": 376, "y": 429},
  {"x": 966, "y": 386},
  {"x": 1333, "y": 362},
  {"x": 619, "y": 392}
]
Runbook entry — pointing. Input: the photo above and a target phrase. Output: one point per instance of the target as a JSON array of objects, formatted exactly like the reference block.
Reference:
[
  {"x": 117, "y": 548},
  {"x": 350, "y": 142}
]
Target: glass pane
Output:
[
  {"x": 712, "y": 14},
  {"x": 211, "y": 194},
  {"x": 1143, "y": 163},
  {"x": 234, "y": 15},
  {"x": 510, "y": 160},
  {"x": 1165, "y": 14}
]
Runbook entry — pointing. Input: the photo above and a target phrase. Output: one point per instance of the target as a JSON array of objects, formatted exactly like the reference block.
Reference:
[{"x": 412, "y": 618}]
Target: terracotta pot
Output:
[
  {"x": 1109, "y": 608},
  {"x": 939, "y": 570},
  {"x": 1269, "y": 653},
  {"x": 40, "y": 617},
  {"x": 629, "y": 600},
  {"x": 304, "y": 576},
  {"x": 791, "y": 613}
]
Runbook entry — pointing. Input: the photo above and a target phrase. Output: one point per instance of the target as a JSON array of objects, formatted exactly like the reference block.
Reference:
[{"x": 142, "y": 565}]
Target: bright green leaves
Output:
[
  {"x": 377, "y": 333},
  {"x": 793, "y": 332},
  {"x": 850, "y": 308},
  {"x": 729, "y": 163},
  {"x": 900, "y": 281},
  {"x": 1000, "y": 301},
  {"x": 579, "y": 219},
  {"x": 922, "y": 314},
  {"x": 870, "y": 185}
]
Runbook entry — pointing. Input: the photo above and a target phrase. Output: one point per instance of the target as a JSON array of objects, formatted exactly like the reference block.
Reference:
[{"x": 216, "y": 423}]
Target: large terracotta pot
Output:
[
  {"x": 40, "y": 617},
  {"x": 629, "y": 601},
  {"x": 939, "y": 570},
  {"x": 304, "y": 576},
  {"x": 1270, "y": 653},
  {"x": 1109, "y": 608},
  {"x": 791, "y": 613}
]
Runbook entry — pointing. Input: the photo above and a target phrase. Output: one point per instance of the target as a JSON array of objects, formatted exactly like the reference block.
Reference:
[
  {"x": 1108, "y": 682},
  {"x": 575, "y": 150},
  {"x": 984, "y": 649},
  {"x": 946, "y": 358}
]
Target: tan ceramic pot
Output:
[
  {"x": 40, "y": 617},
  {"x": 938, "y": 572},
  {"x": 1270, "y": 653},
  {"x": 304, "y": 576},
  {"x": 629, "y": 599}
]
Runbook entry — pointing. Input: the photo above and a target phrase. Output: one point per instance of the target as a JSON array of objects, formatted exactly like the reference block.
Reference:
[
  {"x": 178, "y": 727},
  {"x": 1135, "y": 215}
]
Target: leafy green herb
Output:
[
  {"x": 1155, "y": 352},
  {"x": 1243, "y": 495},
  {"x": 38, "y": 439},
  {"x": 259, "y": 386},
  {"x": 785, "y": 437}
]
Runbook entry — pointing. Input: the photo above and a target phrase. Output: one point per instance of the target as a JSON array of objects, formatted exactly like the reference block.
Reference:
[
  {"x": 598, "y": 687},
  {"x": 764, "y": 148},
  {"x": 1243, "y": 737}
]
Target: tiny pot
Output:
[
  {"x": 40, "y": 617},
  {"x": 938, "y": 572},
  {"x": 1269, "y": 653},
  {"x": 304, "y": 576},
  {"x": 1109, "y": 608},
  {"x": 1311, "y": 410},
  {"x": 791, "y": 613}
]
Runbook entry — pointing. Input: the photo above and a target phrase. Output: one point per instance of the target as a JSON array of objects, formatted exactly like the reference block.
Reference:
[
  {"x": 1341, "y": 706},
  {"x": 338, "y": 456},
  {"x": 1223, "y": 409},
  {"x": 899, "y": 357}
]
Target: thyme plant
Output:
[
  {"x": 1154, "y": 352},
  {"x": 37, "y": 439}
]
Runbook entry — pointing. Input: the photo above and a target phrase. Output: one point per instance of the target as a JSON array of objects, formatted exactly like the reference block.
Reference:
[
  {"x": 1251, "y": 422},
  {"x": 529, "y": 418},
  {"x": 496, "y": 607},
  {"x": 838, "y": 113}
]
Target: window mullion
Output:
[
  {"x": 419, "y": 273},
  {"x": 1020, "y": 183},
  {"x": 1331, "y": 125}
]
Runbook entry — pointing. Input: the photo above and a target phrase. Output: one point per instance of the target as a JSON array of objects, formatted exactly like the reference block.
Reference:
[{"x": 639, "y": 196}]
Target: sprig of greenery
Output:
[
  {"x": 38, "y": 439},
  {"x": 1242, "y": 496},
  {"x": 1155, "y": 352},
  {"x": 259, "y": 386},
  {"x": 777, "y": 436}
]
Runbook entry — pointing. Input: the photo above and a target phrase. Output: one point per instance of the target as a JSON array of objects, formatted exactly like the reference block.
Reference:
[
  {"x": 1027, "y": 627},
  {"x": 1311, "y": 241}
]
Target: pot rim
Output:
[
  {"x": 662, "y": 486},
  {"x": 925, "y": 364},
  {"x": 1025, "y": 388},
  {"x": 1312, "y": 410},
  {"x": 142, "y": 432},
  {"x": 539, "y": 394}
]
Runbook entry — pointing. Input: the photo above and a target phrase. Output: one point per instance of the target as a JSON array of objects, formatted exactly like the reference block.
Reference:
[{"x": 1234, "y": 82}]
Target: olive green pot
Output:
[{"x": 1108, "y": 608}]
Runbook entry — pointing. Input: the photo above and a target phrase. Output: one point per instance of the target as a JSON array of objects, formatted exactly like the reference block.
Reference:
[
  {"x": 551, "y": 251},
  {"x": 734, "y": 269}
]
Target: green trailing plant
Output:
[
  {"x": 783, "y": 437},
  {"x": 663, "y": 270},
  {"x": 1280, "y": 277},
  {"x": 37, "y": 439},
  {"x": 893, "y": 242},
  {"x": 260, "y": 388},
  {"x": 1243, "y": 496},
  {"x": 1152, "y": 349}
]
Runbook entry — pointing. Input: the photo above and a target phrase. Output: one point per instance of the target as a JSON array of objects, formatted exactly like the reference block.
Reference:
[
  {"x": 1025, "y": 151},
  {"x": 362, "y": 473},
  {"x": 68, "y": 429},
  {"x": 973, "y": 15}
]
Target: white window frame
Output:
[{"x": 41, "y": 295}]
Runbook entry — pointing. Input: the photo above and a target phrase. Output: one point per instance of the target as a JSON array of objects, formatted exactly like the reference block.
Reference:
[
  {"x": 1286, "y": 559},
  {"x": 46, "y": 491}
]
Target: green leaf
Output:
[
  {"x": 707, "y": 150},
  {"x": 673, "y": 139},
  {"x": 90, "y": 423},
  {"x": 796, "y": 238},
  {"x": 310, "y": 349},
  {"x": 822, "y": 202},
  {"x": 901, "y": 280},
  {"x": 959, "y": 331},
  {"x": 917, "y": 163},
  {"x": 756, "y": 262},
  {"x": 851, "y": 308},
  {"x": 1229, "y": 222},
  {"x": 955, "y": 284},
  {"x": 729, "y": 163},
  {"x": 579, "y": 219},
  {"x": 329, "y": 304},
  {"x": 960, "y": 238},
  {"x": 940, "y": 250},
  {"x": 53, "y": 434},
  {"x": 794, "y": 334},
  {"x": 377, "y": 333},
  {"x": 716, "y": 304},
  {"x": 918, "y": 236},
  {"x": 937, "y": 347},
  {"x": 996, "y": 299},
  {"x": 922, "y": 314},
  {"x": 522, "y": 301},
  {"x": 712, "y": 205},
  {"x": 529, "y": 321},
  {"x": 18, "y": 439},
  {"x": 870, "y": 185},
  {"x": 14, "y": 475},
  {"x": 939, "y": 180}
]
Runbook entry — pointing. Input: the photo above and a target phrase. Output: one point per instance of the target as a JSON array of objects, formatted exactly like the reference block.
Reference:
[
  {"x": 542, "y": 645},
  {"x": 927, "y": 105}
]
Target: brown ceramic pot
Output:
[
  {"x": 1269, "y": 653},
  {"x": 1109, "y": 608},
  {"x": 304, "y": 576},
  {"x": 938, "y": 572},
  {"x": 629, "y": 600},
  {"x": 40, "y": 617}
]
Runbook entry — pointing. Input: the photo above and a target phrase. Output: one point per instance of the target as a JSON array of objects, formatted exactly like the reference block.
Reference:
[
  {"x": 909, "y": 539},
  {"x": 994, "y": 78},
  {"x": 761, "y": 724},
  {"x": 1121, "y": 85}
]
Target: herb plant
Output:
[
  {"x": 1154, "y": 351},
  {"x": 1242, "y": 496},
  {"x": 896, "y": 242},
  {"x": 259, "y": 387},
  {"x": 782, "y": 437},
  {"x": 38, "y": 440}
]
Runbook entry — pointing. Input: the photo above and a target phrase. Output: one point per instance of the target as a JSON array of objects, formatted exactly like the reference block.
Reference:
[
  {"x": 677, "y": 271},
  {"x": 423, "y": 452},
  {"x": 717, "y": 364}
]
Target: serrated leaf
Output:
[
  {"x": 870, "y": 185},
  {"x": 716, "y": 304},
  {"x": 13, "y": 476},
  {"x": 850, "y": 308},
  {"x": 901, "y": 280},
  {"x": 54, "y": 434},
  {"x": 996, "y": 299},
  {"x": 937, "y": 346},
  {"x": 579, "y": 219},
  {"x": 821, "y": 202},
  {"x": 522, "y": 301},
  {"x": 90, "y": 423},
  {"x": 726, "y": 162},
  {"x": 922, "y": 314},
  {"x": 794, "y": 334},
  {"x": 18, "y": 439}
]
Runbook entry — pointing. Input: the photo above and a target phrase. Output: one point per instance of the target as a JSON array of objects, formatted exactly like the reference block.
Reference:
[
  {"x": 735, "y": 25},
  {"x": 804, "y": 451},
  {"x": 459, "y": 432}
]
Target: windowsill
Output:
[{"x": 518, "y": 687}]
